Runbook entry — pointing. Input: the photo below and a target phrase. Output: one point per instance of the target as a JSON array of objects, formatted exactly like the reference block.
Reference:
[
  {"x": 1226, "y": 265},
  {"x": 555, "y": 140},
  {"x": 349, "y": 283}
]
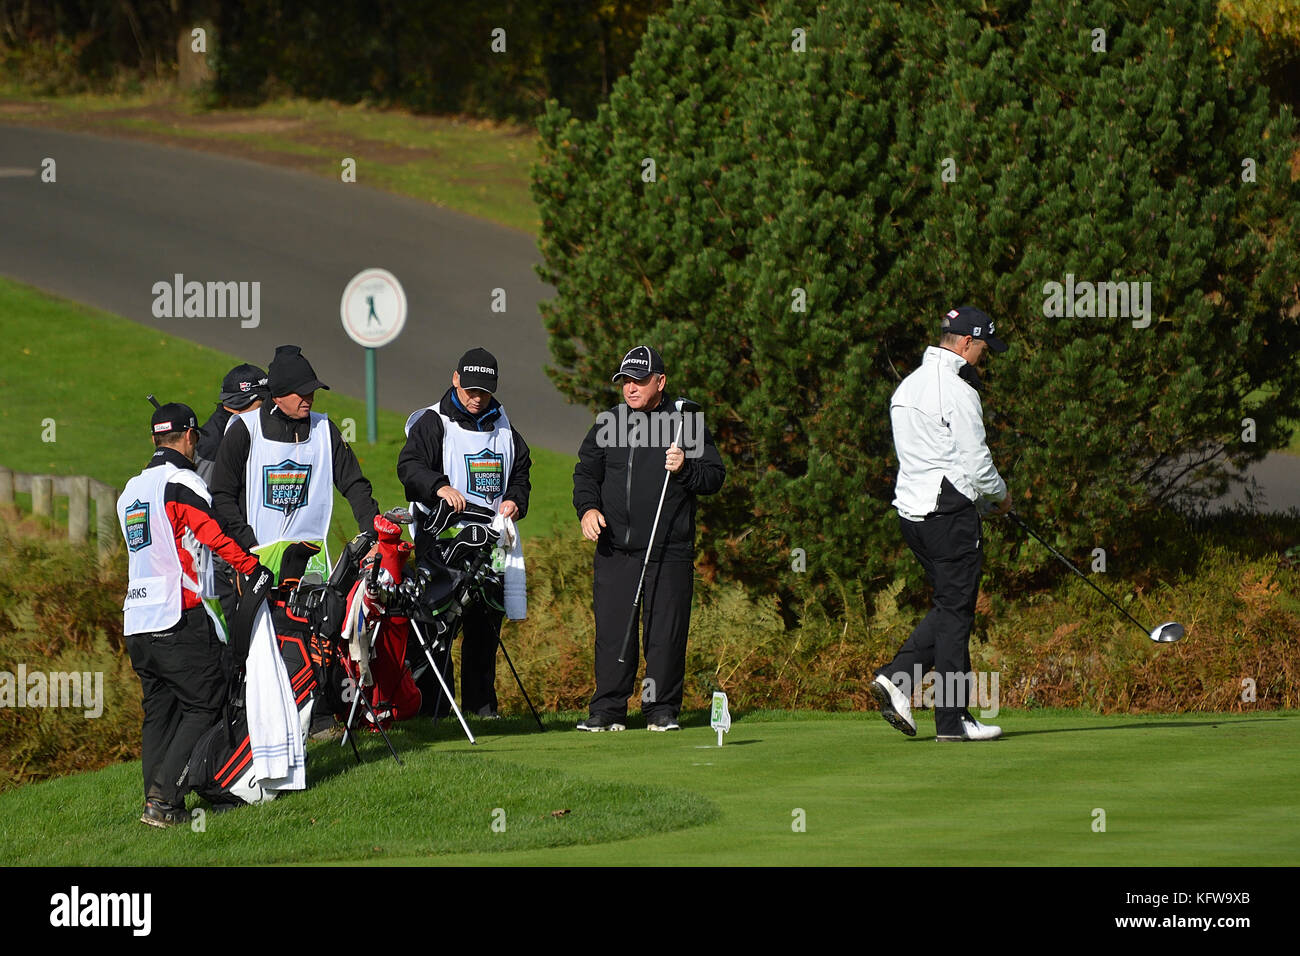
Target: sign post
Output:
[{"x": 373, "y": 310}]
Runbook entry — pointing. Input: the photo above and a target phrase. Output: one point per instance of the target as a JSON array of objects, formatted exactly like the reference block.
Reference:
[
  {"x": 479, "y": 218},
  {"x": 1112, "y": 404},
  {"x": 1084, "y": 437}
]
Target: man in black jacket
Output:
[
  {"x": 616, "y": 488},
  {"x": 463, "y": 449},
  {"x": 242, "y": 390},
  {"x": 275, "y": 467}
]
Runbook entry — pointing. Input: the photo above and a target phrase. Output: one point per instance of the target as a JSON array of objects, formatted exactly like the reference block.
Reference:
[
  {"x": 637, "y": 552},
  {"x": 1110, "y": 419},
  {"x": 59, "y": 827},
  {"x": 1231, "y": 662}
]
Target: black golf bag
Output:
[
  {"x": 307, "y": 617},
  {"x": 452, "y": 573}
]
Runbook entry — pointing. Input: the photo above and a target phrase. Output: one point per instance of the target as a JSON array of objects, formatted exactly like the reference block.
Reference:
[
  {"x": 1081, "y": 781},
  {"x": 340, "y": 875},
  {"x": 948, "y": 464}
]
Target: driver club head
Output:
[
  {"x": 686, "y": 405},
  {"x": 398, "y": 516},
  {"x": 1167, "y": 633}
]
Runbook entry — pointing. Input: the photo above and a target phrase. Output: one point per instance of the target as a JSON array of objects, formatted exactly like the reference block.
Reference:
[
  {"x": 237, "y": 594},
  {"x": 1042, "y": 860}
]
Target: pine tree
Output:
[{"x": 904, "y": 161}]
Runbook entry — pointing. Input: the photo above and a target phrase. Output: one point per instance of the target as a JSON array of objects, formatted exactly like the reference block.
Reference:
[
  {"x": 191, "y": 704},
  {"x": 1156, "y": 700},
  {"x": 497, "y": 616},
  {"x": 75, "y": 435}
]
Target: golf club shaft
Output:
[
  {"x": 636, "y": 604},
  {"x": 374, "y": 718},
  {"x": 527, "y": 699},
  {"x": 424, "y": 645},
  {"x": 1066, "y": 561}
]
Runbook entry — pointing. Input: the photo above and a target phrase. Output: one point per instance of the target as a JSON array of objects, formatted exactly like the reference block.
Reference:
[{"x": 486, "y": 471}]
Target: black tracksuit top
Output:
[{"x": 624, "y": 485}]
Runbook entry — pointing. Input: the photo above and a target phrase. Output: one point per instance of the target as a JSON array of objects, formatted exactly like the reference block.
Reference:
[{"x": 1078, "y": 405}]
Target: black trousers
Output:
[
  {"x": 951, "y": 553},
  {"x": 664, "y": 621},
  {"x": 480, "y": 629},
  {"x": 183, "y": 687}
]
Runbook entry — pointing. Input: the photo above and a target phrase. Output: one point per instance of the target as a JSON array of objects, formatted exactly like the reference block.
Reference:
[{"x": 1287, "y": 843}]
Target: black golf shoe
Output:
[
  {"x": 596, "y": 724},
  {"x": 159, "y": 813},
  {"x": 662, "y": 722}
]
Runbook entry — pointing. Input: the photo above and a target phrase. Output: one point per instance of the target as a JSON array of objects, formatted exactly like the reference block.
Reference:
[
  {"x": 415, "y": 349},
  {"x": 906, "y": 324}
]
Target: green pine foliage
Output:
[{"x": 817, "y": 178}]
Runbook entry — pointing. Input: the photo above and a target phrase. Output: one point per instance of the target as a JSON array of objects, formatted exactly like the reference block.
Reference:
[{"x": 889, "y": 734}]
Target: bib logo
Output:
[
  {"x": 137, "y": 526},
  {"x": 486, "y": 475},
  {"x": 284, "y": 486}
]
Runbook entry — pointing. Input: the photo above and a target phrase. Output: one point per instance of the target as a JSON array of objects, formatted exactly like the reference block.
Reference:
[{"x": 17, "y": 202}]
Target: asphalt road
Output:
[{"x": 124, "y": 215}]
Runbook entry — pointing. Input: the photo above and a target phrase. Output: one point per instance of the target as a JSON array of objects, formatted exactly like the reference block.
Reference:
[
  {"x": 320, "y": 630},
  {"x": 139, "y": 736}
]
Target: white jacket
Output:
[{"x": 939, "y": 433}]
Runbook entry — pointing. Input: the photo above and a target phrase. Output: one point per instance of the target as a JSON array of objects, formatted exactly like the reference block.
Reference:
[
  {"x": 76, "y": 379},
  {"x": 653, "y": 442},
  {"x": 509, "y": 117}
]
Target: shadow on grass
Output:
[{"x": 1145, "y": 726}]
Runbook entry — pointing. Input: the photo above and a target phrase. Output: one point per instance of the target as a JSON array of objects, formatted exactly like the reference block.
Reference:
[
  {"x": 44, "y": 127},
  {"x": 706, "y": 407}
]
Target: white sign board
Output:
[
  {"x": 720, "y": 715},
  {"x": 373, "y": 308}
]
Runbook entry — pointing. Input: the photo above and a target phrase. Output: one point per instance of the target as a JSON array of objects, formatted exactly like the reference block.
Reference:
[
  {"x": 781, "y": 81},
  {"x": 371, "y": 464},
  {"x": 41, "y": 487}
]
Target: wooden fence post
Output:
[
  {"x": 42, "y": 495},
  {"x": 106, "y": 530},
  {"x": 78, "y": 509}
]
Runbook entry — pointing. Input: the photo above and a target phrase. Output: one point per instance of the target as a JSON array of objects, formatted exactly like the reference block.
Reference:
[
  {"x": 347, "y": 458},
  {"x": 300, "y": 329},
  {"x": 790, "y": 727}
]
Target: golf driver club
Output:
[
  {"x": 683, "y": 406},
  {"x": 1166, "y": 633}
]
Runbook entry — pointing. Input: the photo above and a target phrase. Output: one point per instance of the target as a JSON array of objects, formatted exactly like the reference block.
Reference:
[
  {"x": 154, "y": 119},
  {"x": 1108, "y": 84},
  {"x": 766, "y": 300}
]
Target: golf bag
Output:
[
  {"x": 376, "y": 633},
  {"x": 221, "y": 765},
  {"x": 452, "y": 573}
]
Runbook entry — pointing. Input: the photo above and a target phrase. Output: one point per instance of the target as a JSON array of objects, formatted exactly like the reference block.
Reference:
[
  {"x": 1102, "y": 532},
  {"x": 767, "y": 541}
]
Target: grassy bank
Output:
[{"x": 103, "y": 434}]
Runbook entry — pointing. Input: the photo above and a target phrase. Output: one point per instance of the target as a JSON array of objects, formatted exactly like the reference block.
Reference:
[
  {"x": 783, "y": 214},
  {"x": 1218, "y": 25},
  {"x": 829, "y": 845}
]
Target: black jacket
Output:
[
  {"x": 211, "y": 432},
  {"x": 624, "y": 483},
  {"x": 205, "y": 456},
  {"x": 227, "y": 483},
  {"x": 420, "y": 467}
]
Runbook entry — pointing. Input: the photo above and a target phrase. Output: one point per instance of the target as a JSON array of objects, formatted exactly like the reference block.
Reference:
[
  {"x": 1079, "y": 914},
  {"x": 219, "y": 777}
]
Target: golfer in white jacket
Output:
[{"x": 944, "y": 470}]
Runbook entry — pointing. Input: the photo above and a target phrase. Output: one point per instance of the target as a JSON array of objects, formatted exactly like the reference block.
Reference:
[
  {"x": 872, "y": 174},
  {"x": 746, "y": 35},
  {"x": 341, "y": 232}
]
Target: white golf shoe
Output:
[
  {"x": 894, "y": 706},
  {"x": 972, "y": 729}
]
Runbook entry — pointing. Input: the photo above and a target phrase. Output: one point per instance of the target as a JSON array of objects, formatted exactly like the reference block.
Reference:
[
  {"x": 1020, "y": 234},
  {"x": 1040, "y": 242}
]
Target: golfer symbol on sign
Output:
[{"x": 370, "y": 301}]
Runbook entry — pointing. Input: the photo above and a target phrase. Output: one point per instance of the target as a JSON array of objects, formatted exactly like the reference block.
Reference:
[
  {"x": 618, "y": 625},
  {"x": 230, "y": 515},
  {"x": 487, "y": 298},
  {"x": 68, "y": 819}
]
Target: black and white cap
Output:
[
  {"x": 172, "y": 417},
  {"x": 640, "y": 362},
  {"x": 478, "y": 369},
  {"x": 968, "y": 320},
  {"x": 243, "y": 385}
]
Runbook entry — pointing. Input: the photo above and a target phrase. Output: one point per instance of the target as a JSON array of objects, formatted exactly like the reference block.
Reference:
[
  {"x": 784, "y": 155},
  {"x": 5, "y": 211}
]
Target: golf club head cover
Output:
[
  {"x": 477, "y": 514},
  {"x": 348, "y": 568},
  {"x": 253, "y": 590},
  {"x": 438, "y": 520}
]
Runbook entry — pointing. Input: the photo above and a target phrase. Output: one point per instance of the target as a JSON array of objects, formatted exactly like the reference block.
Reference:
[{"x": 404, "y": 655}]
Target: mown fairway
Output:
[{"x": 1177, "y": 789}]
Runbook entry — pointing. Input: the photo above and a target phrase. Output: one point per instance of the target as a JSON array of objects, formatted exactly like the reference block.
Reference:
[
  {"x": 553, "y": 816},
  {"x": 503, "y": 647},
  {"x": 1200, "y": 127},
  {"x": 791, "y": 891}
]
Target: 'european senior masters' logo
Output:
[
  {"x": 284, "y": 486},
  {"x": 486, "y": 471}
]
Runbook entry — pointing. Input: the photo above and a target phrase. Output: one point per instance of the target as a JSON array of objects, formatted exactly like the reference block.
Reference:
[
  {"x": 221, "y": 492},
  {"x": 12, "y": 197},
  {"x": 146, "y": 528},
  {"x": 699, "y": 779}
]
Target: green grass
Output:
[
  {"x": 472, "y": 166},
  {"x": 101, "y": 431},
  {"x": 1171, "y": 786}
]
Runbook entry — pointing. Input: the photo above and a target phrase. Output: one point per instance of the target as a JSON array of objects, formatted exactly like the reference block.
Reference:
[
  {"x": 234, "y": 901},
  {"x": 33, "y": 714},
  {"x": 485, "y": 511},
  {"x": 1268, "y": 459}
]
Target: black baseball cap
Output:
[
  {"x": 640, "y": 362},
  {"x": 968, "y": 320},
  {"x": 292, "y": 373},
  {"x": 478, "y": 369},
  {"x": 243, "y": 385},
  {"x": 172, "y": 417}
]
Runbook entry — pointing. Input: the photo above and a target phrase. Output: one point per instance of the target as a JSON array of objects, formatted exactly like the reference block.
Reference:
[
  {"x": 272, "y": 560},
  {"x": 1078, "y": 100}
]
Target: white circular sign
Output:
[{"x": 373, "y": 308}]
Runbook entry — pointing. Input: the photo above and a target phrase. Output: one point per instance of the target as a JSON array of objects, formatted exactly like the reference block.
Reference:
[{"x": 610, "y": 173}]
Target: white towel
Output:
[
  {"x": 275, "y": 728},
  {"x": 516, "y": 588}
]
